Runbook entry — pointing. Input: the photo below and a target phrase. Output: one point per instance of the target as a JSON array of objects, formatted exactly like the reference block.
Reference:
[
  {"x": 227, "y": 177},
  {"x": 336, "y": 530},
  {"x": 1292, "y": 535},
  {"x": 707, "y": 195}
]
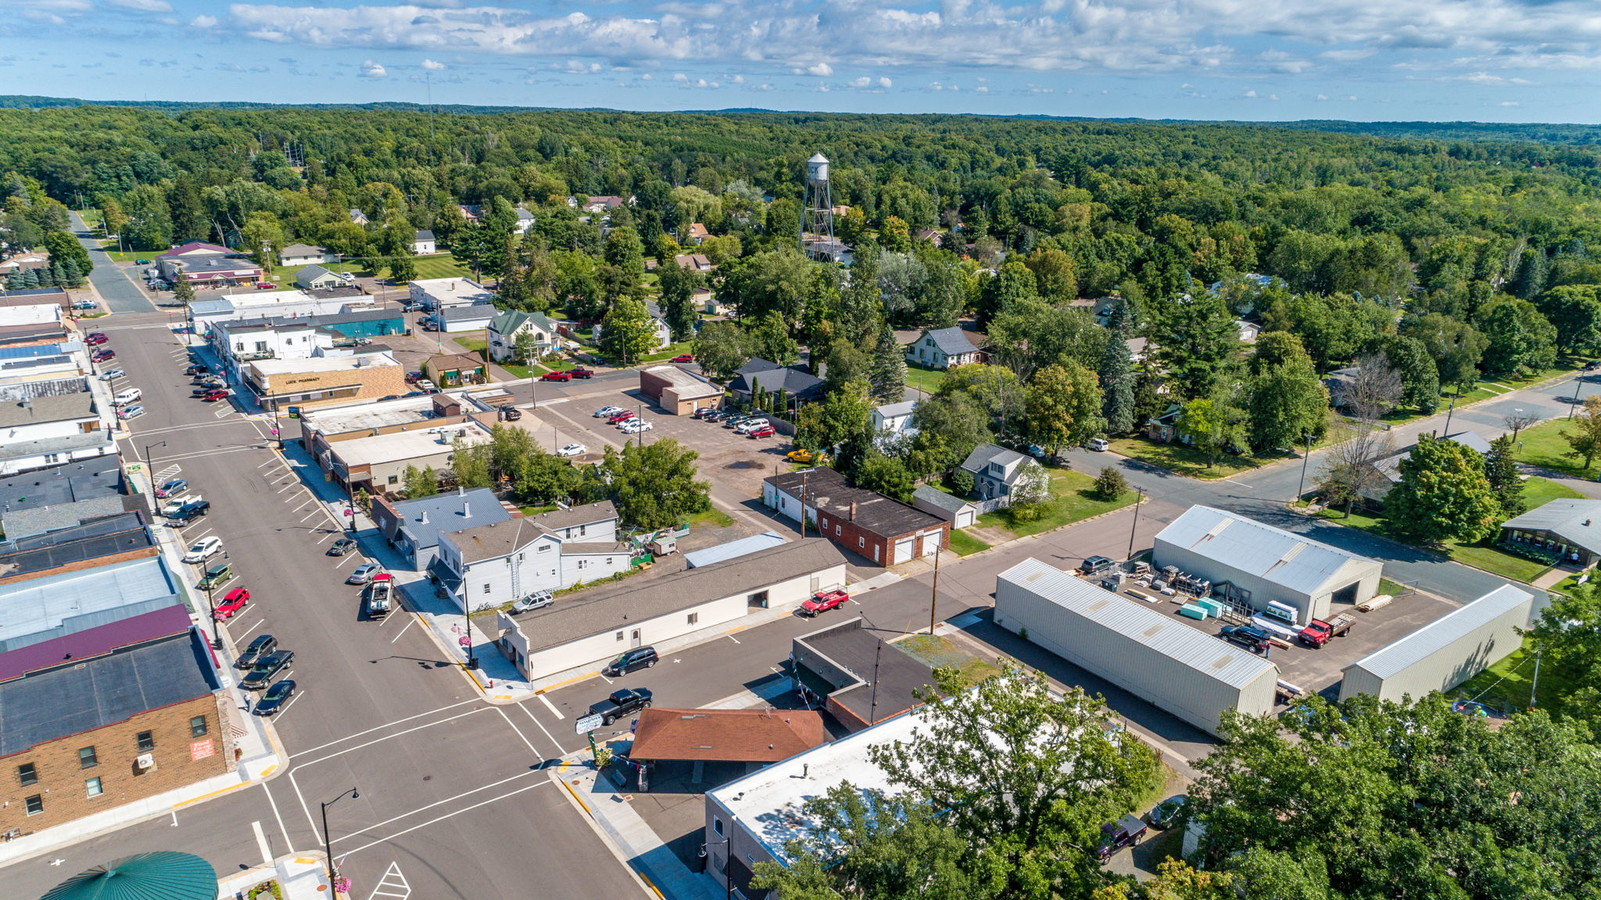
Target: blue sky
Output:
[{"x": 1486, "y": 60}]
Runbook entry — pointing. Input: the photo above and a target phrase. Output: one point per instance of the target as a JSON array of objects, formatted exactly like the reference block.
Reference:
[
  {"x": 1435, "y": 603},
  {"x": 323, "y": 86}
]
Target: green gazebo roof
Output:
[{"x": 162, "y": 875}]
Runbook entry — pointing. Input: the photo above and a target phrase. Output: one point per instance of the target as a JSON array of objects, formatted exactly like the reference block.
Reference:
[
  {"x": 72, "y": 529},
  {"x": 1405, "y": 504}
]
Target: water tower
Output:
[{"x": 817, "y": 219}]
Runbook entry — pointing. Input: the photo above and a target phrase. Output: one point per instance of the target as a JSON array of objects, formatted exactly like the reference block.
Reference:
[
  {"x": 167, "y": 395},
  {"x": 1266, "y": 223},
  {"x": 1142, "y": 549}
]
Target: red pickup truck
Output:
[
  {"x": 1319, "y": 632},
  {"x": 822, "y": 601}
]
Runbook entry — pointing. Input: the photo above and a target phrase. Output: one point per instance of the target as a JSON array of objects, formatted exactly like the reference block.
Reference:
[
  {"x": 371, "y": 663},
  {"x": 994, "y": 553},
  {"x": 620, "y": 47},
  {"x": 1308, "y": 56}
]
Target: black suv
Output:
[
  {"x": 1248, "y": 636},
  {"x": 261, "y": 646},
  {"x": 634, "y": 660},
  {"x": 619, "y": 704},
  {"x": 267, "y": 668},
  {"x": 190, "y": 512}
]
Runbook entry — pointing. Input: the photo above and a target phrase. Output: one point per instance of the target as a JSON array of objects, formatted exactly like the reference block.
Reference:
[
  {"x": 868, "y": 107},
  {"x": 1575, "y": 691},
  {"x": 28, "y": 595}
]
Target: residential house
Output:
[
  {"x": 207, "y": 264},
  {"x": 305, "y": 255},
  {"x": 472, "y": 212},
  {"x": 499, "y": 562},
  {"x": 317, "y": 278},
  {"x": 1384, "y": 473},
  {"x": 661, "y": 334},
  {"x": 943, "y": 348},
  {"x": 677, "y": 392},
  {"x": 413, "y": 526},
  {"x": 456, "y": 369},
  {"x": 885, "y": 531},
  {"x": 357, "y": 217},
  {"x": 960, "y": 513},
  {"x": 604, "y": 203},
  {"x": 694, "y": 262},
  {"x": 323, "y": 380},
  {"x": 894, "y": 419},
  {"x": 1569, "y": 530},
  {"x": 525, "y": 220},
  {"x": 423, "y": 243},
  {"x": 580, "y": 631},
  {"x": 697, "y": 233},
  {"x": 761, "y": 376},
  {"x": 508, "y": 324},
  {"x": 457, "y": 319},
  {"x": 998, "y": 473},
  {"x": 1247, "y": 331}
]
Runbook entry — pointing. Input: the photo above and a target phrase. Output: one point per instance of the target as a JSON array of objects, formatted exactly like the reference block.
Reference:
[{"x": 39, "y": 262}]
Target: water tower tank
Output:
[{"x": 817, "y": 168}]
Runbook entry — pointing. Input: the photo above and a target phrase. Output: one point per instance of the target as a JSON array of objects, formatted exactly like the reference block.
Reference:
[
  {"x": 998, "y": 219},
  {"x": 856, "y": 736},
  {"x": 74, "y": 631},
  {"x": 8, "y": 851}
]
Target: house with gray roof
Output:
[
  {"x": 1384, "y": 473},
  {"x": 305, "y": 255},
  {"x": 999, "y": 474},
  {"x": 508, "y": 324},
  {"x": 498, "y": 563},
  {"x": 1567, "y": 529},
  {"x": 894, "y": 419},
  {"x": 472, "y": 317},
  {"x": 960, "y": 513},
  {"x": 423, "y": 244},
  {"x": 943, "y": 348},
  {"x": 765, "y": 376},
  {"x": 1262, "y": 569},
  {"x": 580, "y": 632},
  {"x": 317, "y": 278},
  {"x": 414, "y": 526}
]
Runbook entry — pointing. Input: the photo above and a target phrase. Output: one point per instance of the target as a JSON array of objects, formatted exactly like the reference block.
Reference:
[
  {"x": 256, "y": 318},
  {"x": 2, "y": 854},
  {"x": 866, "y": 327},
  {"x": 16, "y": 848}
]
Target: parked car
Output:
[
  {"x": 735, "y": 420},
  {"x": 803, "y": 456},
  {"x": 342, "y": 546},
  {"x": 607, "y": 411},
  {"x": 173, "y": 506},
  {"x": 265, "y": 285},
  {"x": 275, "y": 697},
  {"x": 684, "y": 358},
  {"x": 112, "y": 374},
  {"x": 536, "y": 600},
  {"x": 84, "y": 304},
  {"x": 1248, "y": 636},
  {"x": 267, "y": 668},
  {"x": 714, "y": 416},
  {"x": 621, "y": 703},
  {"x": 635, "y": 426},
  {"x": 1125, "y": 832},
  {"x": 762, "y": 431},
  {"x": 702, "y": 412},
  {"x": 427, "y": 387},
  {"x": 632, "y": 661},
  {"x": 101, "y": 354},
  {"x": 197, "y": 369},
  {"x": 216, "y": 576},
  {"x": 189, "y": 512},
  {"x": 141, "y": 262},
  {"x": 172, "y": 488},
  {"x": 556, "y": 376},
  {"x": 1098, "y": 444},
  {"x": 413, "y": 377},
  {"x": 572, "y": 450},
  {"x": 823, "y": 601},
  {"x": 131, "y": 412},
  {"x": 1095, "y": 565},
  {"x": 203, "y": 549},
  {"x": 511, "y": 413},
  {"x": 95, "y": 338},
  {"x": 581, "y": 372},
  {"x": 215, "y": 394},
  {"x": 234, "y": 601},
  {"x": 621, "y": 416},
  {"x": 1165, "y": 814},
  {"x": 364, "y": 573},
  {"x": 261, "y": 646},
  {"x": 751, "y": 424}
]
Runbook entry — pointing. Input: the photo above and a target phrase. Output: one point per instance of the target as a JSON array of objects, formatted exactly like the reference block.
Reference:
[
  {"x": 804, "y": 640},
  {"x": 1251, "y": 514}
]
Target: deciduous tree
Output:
[
  {"x": 1442, "y": 495},
  {"x": 1062, "y": 407},
  {"x": 627, "y": 333},
  {"x": 1212, "y": 426},
  {"x": 721, "y": 348},
  {"x": 654, "y": 485},
  {"x": 1585, "y": 440}
]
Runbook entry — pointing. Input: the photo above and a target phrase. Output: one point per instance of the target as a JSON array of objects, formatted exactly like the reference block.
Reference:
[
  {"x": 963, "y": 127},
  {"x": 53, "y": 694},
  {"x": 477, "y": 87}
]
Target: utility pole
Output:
[
  {"x": 1452, "y": 408},
  {"x": 1300, "y": 487},
  {"x": 1139, "y": 497},
  {"x": 933, "y": 593},
  {"x": 1533, "y": 686}
]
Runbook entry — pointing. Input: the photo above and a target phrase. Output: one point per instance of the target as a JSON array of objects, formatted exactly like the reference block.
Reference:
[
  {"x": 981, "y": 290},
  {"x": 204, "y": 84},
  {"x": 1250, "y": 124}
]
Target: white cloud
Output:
[
  {"x": 203, "y": 22},
  {"x": 1321, "y": 98},
  {"x": 647, "y": 77},
  {"x": 370, "y": 69},
  {"x": 764, "y": 86},
  {"x": 861, "y": 82},
  {"x": 822, "y": 70},
  {"x": 680, "y": 77},
  {"x": 1249, "y": 95},
  {"x": 1510, "y": 103},
  {"x": 432, "y": 65},
  {"x": 151, "y": 6},
  {"x": 884, "y": 82},
  {"x": 737, "y": 79}
]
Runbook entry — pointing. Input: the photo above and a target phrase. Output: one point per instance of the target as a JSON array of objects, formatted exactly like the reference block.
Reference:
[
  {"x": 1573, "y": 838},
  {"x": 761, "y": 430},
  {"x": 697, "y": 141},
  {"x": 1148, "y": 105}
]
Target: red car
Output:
[
  {"x": 95, "y": 338},
  {"x": 236, "y": 600},
  {"x": 556, "y": 376},
  {"x": 684, "y": 357},
  {"x": 265, "y": 285},
  {"x": 623, "y": 416},
  {"x": 823, "y": 601},
  {"x": 413, "y": 377},
  {"x": 213, "y": 396},
  {"x": 764, "y": 431},
  {"x": 103, "y": 354},
  {"x": 581, "y": 372}
]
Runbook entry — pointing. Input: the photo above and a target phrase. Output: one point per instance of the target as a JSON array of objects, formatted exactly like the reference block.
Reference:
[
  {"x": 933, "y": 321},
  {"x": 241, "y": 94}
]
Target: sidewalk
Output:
[{"x": 300, "y": 876}]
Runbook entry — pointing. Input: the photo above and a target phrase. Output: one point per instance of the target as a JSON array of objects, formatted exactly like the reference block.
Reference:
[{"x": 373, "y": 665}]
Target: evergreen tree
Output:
[
  {"x": 71, "y": 275},
  {"x": 1531, "y": 276},
  {"x": 58, "y": 276},
  {"x": 1195, "y": 342},
  {"x": 182, "y": 290},
  {"x": 1116, "y": 372},
  {"x": 887, "y": 371},
  {"x": 1502, "y": 472}
]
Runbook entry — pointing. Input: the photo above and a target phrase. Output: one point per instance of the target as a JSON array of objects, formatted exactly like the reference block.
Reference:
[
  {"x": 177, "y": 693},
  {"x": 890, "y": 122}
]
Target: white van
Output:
[
  {"x": 131, "y": 395},
  {"x": 749, "y": 425}
]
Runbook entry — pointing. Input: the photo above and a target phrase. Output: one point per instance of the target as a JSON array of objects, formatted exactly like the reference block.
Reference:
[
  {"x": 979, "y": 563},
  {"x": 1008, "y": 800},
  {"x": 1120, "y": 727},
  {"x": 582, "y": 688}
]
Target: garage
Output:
[
  {"x": 1446, "y": 652},
  {"x": 1180, "y": 669},
  {"x": 903, "y": 548}
]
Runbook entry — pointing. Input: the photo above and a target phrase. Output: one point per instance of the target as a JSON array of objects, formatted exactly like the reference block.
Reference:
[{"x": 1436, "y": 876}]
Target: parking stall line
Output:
[
  {"x": 242, "y": 634},
  {"x": 552, "y": 707}
]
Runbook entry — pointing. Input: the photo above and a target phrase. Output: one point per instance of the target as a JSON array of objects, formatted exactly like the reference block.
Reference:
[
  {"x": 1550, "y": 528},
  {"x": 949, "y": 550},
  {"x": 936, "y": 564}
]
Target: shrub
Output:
[{"x": 1110, "y": 484}]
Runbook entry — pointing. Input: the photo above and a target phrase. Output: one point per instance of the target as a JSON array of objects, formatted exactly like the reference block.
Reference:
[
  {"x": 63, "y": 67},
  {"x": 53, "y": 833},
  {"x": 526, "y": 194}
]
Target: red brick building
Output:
[
  {"x": 106, "y": 716},
  {"x": 870, "y": 524}
]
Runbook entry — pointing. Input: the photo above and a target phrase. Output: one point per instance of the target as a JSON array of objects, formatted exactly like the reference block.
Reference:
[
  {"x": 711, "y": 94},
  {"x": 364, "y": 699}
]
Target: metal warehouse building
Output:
[
  {"x": 1254, "y": 564},
  {"x": 1446, "y": 652},
  {"x": 1183, "y": 670}
]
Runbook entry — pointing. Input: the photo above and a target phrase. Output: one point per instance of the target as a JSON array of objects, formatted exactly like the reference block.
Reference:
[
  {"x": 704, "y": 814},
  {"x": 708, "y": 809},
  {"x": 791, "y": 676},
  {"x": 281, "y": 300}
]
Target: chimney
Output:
[
  {"x": 422, "y": 519},
  {"x": 853, "y": 511},
  {"x": 466, "y": 510}
]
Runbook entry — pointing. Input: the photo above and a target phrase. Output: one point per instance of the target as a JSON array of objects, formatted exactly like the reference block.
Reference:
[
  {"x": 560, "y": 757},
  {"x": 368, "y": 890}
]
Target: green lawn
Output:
[
  {"x": 1505, "y": 686},
  {"x": 926, "y": 380},
  {"x": 1072, "y": 501},
  {"x": 668, "y": 352},
  {"x": 440, "y": 265},
  {"x": 964, "y": 544},
  {"x": 1488, "y": 557},
  {"x": 1544, "y": 446},
  {"x": 125, "y": 256},
  {"x": 712, "y": 516},
  {"x": 1183, "y": 459}
]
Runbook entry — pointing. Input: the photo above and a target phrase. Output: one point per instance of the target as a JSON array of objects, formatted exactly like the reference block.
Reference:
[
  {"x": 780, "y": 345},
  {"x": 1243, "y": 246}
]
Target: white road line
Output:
[
  {"x": 526, "y": 742},
  {"x": 292, "y": 701},
  {"x": 386, "y": 889},
  {"x": 541, "y": 726},
  {"x": 399, "y": 834},
  {"x": 731, "y": 637},
  {"x": 482, "y": 787},
  {"x": 261, "y": 843},
  {"x": 410, "y": 621},
  {"x": 278, "y": 816},
  {"x": 241, "y": 635},
  {"x": 551, "y": 706},
  {"x": 306, "y": 516},
  {"x": 387, "y": 725}
]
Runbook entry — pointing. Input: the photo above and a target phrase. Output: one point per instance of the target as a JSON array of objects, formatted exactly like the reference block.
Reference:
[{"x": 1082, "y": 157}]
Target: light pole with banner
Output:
[{"x": 327, "y": 841}]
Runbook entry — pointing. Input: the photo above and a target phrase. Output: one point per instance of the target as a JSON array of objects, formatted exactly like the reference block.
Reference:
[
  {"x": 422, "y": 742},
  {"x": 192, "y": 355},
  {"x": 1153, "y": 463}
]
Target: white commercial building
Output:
[
  {"x": 499, "y": 562},
  {"x": 1189, "y": 673},
  {"x": 592, "y": 626},
  {"x": 1254, "y": 565},
  {"x": 437, "y": 293},
  {"x": 281, "y": 304},
  {"x": 1446, "y": 652}
]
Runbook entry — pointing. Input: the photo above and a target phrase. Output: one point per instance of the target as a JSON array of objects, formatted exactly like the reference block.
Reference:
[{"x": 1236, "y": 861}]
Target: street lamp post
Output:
[
  {"x": 150, "y": 464},
  {"x": 728, "y": 867},
  {"x": 1300, "y": 487},
  {"x": 327, "y": 842}
]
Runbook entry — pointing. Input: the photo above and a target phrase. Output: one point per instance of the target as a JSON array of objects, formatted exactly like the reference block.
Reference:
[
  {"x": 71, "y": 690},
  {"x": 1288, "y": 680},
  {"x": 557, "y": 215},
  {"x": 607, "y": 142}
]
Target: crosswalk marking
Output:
[{"x": 393, "y": 884}]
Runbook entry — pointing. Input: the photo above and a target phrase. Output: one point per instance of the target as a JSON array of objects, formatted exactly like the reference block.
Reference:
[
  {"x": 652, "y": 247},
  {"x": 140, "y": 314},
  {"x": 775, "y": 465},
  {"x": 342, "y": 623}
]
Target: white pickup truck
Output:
[{"x": 380, "y": 596}]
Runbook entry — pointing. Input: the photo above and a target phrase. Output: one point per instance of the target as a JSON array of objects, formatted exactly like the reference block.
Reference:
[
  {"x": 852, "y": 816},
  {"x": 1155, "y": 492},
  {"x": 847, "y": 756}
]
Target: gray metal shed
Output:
[
  {"x": 1446, "y": 652},
  {"x": 1261, "y": 563},
  {"x": 1181, "y": 669}
]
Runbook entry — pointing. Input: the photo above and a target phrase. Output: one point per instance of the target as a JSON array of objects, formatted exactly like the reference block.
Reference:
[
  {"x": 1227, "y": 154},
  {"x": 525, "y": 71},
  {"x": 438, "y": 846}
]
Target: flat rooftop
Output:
[
  {"x": 887, "y": 678},
  {"x": 62, "y": 604},
  {"x": 32, "y": 314},
  {"x": 386, "y": 448},
  {"x": 453, "y": 291},
  {"x": 350, "y": 363},
  {"x": 366, "y": 416}
]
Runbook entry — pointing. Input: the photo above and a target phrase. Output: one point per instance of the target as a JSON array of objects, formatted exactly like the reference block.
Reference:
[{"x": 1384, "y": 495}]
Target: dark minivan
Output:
[{"x": 634, "y": 660}]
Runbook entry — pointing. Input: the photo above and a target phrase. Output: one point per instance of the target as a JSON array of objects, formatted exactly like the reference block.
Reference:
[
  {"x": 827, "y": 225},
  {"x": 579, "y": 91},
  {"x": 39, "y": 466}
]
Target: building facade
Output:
[{"x": 884, "y": 531}]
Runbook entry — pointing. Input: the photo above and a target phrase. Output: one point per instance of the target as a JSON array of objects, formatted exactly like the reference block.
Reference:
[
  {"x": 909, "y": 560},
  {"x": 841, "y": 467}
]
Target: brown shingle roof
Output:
[{"x": 733, "y": 735}]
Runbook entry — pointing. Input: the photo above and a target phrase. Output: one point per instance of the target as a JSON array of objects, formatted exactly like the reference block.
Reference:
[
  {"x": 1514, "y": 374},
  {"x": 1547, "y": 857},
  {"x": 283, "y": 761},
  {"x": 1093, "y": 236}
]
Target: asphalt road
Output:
[
  {"x": 120, "y": 294},
  {"x": 453, "y": 791}
]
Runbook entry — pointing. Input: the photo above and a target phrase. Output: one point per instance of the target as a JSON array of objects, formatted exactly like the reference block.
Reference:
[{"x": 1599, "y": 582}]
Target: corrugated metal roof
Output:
[
  {"x": 158, "y": 875},
  {"x": 1575, "y": 521},
  {"x": 43, "y": 604},
  {"x": 733, "y": 549},
  {"x": 1194, "y": 649},
  {"x": 1387, "y": 661},
  {"x": 1298, "y": 563}
]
